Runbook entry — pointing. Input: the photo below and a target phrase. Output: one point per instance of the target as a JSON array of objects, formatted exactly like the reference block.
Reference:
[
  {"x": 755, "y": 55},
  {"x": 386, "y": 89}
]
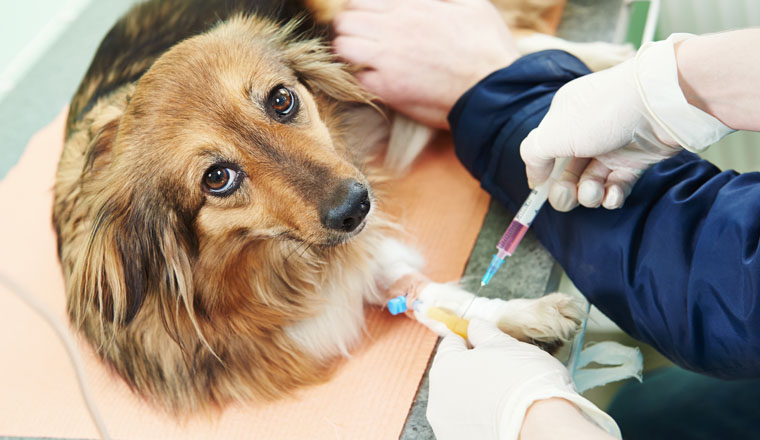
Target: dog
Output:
[{"x": 218, "y": 213}]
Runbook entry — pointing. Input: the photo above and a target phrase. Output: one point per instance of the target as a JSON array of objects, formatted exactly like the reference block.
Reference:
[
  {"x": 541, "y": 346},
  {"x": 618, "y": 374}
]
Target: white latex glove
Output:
[
  {"x": 485, "y": 392},
  {"x": 616, "y": 123}
]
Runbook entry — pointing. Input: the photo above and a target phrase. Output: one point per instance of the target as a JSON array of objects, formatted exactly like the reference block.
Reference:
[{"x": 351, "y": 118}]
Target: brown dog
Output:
[{"x": 217, "y": 225}]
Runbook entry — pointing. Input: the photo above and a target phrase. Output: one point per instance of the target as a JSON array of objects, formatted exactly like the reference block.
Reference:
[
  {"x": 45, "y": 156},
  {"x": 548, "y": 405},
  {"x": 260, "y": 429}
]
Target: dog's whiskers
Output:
[
  {"x": 300, "y": 244},
  {"x": 306, "y": 250}
]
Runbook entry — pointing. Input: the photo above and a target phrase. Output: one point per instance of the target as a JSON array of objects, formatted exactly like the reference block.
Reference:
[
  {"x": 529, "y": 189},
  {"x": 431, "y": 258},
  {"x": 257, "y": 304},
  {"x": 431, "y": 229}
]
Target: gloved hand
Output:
[
  {"x": 485, "y": 392},
  {"x": 616, "y": 123}
]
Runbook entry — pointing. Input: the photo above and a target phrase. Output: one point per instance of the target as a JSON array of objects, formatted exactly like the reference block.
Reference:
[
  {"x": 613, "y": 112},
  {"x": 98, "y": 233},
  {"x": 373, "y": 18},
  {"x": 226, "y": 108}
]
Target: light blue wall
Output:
[
  {"x": 739, "y": 151},
  {"x": 20, "y": 21},
  {"x": 50, "y": 80}
]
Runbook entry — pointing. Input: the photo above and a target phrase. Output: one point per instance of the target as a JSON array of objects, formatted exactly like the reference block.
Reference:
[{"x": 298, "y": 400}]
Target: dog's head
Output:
[{"x": 230, "y": 139}]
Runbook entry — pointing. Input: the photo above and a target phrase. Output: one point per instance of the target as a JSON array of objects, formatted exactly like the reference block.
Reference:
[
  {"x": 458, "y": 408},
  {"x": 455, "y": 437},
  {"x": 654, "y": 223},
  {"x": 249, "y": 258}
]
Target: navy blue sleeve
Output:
[{"x": 678, "y": 266}]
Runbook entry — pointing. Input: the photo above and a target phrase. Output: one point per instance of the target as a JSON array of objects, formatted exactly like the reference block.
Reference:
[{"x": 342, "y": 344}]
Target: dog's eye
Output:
[
  {"x": 283, "y": 102},
  {"x": 220, "y": 180}
]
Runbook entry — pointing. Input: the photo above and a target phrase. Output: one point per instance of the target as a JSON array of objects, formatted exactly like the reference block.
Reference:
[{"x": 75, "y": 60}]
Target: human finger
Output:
[
  {"x": 367, "y": 5},
  {"x": 451, "y": 343},
  {"x": 563, "y": 194},
  {"x": 538, "y": 167},
  {"x": 591, "y": 184},
  {"x": 619, "y": 185},
  {"x": 361, "y": 24},
  {"x": 372, "y": 81},
  {"x": 354, "y": 50}
]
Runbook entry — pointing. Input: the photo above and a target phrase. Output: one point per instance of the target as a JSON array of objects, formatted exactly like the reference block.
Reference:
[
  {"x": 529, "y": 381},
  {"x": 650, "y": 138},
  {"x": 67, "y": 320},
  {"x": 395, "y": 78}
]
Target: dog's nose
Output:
[{"x": 347, "y": 206}]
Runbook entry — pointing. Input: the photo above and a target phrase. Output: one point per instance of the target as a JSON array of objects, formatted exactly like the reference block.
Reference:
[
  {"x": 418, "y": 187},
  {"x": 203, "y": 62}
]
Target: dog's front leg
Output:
[
  {"x": 395, "y": 261},
  {"x": 546, "y": 321},
  {"x": 398, "y": 273}
]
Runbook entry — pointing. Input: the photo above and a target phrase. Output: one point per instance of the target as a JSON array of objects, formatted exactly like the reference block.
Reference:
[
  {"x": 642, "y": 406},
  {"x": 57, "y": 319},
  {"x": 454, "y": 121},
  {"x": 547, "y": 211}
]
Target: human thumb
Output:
[
  {"x": 484, "y": 334},
  {"x": 538, "y": 168},
  {"x": 450, "y": 343}
]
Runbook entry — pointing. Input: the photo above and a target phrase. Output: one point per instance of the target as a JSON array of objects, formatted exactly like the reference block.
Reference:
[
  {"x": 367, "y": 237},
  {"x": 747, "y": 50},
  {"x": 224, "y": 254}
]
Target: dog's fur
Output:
[{"x": 197, "y": 300}]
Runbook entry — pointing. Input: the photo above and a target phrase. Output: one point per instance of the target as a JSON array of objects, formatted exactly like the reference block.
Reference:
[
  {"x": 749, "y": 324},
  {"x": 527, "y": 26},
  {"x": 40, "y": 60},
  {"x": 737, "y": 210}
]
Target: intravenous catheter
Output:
[{"x": 522, "y": 221}]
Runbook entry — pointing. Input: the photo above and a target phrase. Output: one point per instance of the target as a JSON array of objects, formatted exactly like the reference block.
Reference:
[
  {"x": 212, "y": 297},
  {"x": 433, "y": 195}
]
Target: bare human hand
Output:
[{"x": 420, "y": 56}]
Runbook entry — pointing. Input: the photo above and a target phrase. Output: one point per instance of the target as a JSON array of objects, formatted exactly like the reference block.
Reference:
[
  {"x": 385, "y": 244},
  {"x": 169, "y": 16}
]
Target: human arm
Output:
[
  {"x": 685, "y": 92},
  {"x": 558, "y": 418},
  {"x": 726, "y": 85},
  {"x": 436, "y": 37},
  {"x": 677, "y": 266},
  {"x": 503, "y": 388}
]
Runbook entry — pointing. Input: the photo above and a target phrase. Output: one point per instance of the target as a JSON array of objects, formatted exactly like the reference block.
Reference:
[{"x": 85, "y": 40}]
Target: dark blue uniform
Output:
[{"x": 678, "y": 266}]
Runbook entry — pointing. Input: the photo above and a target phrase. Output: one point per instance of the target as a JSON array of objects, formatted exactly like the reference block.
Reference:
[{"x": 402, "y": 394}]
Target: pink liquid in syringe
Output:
[{"x": 512, "y": 237}]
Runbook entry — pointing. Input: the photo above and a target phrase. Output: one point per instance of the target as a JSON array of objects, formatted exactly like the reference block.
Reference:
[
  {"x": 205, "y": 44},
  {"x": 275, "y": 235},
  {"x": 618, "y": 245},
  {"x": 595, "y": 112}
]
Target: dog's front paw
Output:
[{"x": 548, "y": 321}]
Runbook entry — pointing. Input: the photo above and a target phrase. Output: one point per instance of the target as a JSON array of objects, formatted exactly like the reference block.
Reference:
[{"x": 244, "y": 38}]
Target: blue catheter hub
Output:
[
  {"x": 397, "y": 305},
  {"x": 496, "y": 263}
]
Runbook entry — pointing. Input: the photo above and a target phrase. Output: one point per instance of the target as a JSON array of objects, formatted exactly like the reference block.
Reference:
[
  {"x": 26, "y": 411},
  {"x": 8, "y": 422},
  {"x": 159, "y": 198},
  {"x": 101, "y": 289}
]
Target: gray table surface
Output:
[{"x": 50, "y": 83}]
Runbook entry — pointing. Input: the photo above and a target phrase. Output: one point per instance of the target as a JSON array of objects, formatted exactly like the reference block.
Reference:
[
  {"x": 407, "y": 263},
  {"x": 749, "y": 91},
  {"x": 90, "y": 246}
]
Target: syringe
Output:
[{"x": 522, "y": 221}]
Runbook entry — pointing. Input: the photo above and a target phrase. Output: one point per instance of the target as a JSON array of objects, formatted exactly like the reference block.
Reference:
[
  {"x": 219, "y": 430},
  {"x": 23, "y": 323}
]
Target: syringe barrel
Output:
[
  {"x": 511, "y": 238},
  {"x": 533, "y": 204},
  {"x": 528, "y": 211},
  {"x": 538, "y": 196}
]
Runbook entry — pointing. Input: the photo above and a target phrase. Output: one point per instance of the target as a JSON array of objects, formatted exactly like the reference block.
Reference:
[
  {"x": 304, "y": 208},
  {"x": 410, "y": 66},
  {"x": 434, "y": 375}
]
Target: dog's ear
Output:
[
  {"x": 137, "y": 247},
  {"x": 320, "y": 70}
]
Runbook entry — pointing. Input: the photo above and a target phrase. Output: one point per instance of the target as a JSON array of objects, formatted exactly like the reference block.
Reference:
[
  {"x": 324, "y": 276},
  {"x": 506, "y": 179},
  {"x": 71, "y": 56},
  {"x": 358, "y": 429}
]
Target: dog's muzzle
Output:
[{"x": 346, "y": 207}]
